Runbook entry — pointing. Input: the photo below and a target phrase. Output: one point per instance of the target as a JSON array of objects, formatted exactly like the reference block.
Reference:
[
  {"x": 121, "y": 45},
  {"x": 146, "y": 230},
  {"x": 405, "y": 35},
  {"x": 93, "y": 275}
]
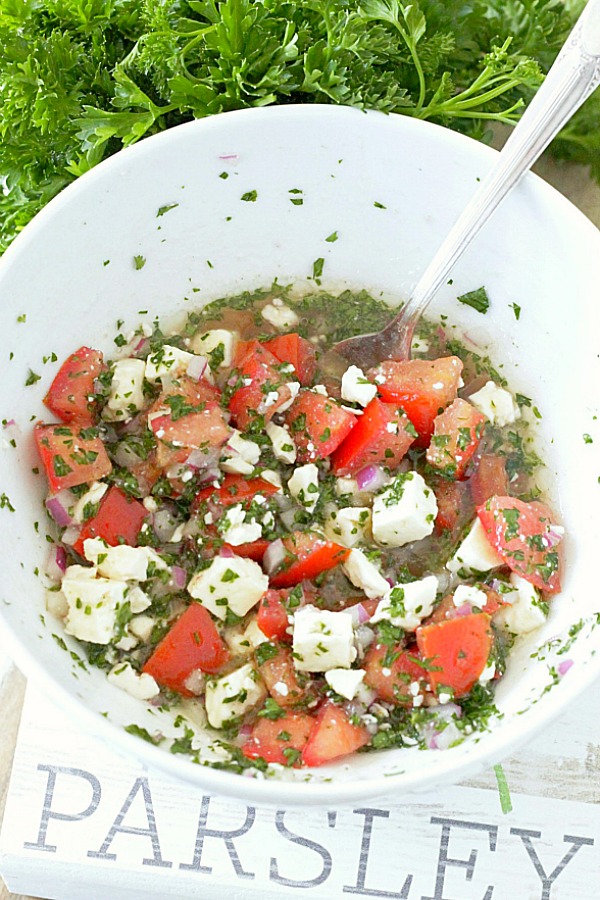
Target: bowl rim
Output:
[{"x": 272, "y": 790}]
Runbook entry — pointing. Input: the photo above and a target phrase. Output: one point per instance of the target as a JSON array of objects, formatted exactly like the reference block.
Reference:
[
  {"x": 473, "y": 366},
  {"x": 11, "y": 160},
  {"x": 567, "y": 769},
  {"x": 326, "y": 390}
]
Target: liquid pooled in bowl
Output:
[{"x": 320, "y": 560}]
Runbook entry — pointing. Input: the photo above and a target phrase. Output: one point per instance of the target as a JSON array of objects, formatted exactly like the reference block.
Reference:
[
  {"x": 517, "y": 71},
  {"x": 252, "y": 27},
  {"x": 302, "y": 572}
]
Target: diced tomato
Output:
[
  {"x": 253, "y": 550},
  {"x": 118, "y": 521},
  {"x": 281, "y": 678},
  {"x": 270, "y": 739},
  {"x": 422, "y": 387},
  {"x": 176, "y": 437},
  {"x": 523, "y": 535},
  {"x": 318, "y": 425},
  {"x": 272, "y": 618},
  {"x": 292, "y": 348},
  {"x": 453, "y": 504},
  {"x": 382, "y": 434},
  {"x": 456, "y": 650},
  {"x": 259, "y": 367},
  {"x": 456, "y": 435},
  {"x": 69, "y": 456},
  {"x": 391, "y": 671},
  {"x": 192, "y": 393},
  {"x": 193, "y": 642},
  {"x": 446, "y": 608},
  {"x": 308, "y": 554},
  {"x": 71, "y": 394},
  {"x": 489, "y": 479},
  {"x": 333, "y": 735},
  {"x": 235, "y": 489}
]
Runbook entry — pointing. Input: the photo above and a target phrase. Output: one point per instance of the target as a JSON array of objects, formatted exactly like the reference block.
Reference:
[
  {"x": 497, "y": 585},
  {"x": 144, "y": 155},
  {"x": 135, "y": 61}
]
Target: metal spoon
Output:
[{"x": 570, "y": 81}]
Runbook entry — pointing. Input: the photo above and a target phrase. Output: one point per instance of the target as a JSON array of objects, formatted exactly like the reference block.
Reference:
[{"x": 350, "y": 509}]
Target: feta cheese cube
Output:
[
  {"x": 121, "y": 562},
  {"x": 475, "y": 553},
  {"x": 349, "y": 526},
  {"x": 346, "y": 487},
  {"x": 524, "y": 611},
  {"x": 141, "y": 626},
  {"x": 273, "y": 478},
  {"x": 406, "y": 605},
  {"x": 496, "y": 404},
  {"x": 304, "y": 485},
  {"x": 239, "y": 455},
  {"x": 138, "y": 600},
  {"x": 56, "y": 603},
  {"x": 126, "y": 396},
  {"x": 229, "y": 583},
  {"x": 169, "y": 361},
  {"x": 345, "y": 682},
  {"x": 405, "y": 511},
  {"x": 217, "y": 339},
  {"x": 365, "y": 575},
  {"x": 235, "y": 528},
  {"x": 467, "y": 593},
  {"x": 93, "y": 602},
  {"x": 140, "y": 685},
  {"x": 92, "y": 496},
  {"x": 279, "y": 315},
  {"x": 232, "y": 695},
  {"x": 356, "y": 387},
  {"x": 284, "y": 448},
  {"x": 322, "y": 640}
]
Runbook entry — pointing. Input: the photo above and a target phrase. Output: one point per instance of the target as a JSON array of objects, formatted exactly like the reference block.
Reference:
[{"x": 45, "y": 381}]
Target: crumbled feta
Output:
[
  {"x": 195, "y": 683},
  {"x": 138, "y": 599},
  {"x": 322, "y": 640},
  {"x": 496, "y": 404},
  {"x": 346, "y": 487},
  {"x": 239, "y": 455},
  {"x": 142, "y": 686},
  {"x": 92, "y": 496},
  {"x": 232, "y": 695},
  {"x": 219, "y": 340},
  {"x": 475, "y": 554},
  {"x": 126, "y": 396},
  {"x": 121, "y": 562},
  {"x": 229, "y": 583},
  {"x": 236, "y": 529},
  {"x": 523, "y": 611},
  {"x": 280, "y": 316},
  {"x": 467, "y": 593},
  {"x": 168, "y": 361},
  {"x": 345, "y": 682},
  {"x": 406, "y": 605},
  {"x": 349, "y": 526},
  {"x": 293, "y": 387},
  {"x": 273, "y": 478},
  {"x": 419, "y": 345},
  {"x": 142, "y": 626},
  {"x": 304, "y": 485},
  {"x": 320, "y": 389},
  {"x": 488, "y": 673},
  {"x": 356, "y": 387},
  {"x": 284, "y": 448},
  {"x": 365, "y": 575},
  {"x": 405, "y": 511},
  {"x": 93, "y": 602}
]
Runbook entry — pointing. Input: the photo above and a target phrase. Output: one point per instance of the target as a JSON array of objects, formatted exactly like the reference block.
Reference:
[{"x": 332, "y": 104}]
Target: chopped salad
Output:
[{"x": 322, "y": 560}]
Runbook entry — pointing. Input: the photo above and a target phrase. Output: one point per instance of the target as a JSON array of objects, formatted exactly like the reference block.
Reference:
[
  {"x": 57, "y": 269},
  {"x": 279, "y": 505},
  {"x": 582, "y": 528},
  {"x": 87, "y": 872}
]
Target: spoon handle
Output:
[{"x": 572, "y": 78}]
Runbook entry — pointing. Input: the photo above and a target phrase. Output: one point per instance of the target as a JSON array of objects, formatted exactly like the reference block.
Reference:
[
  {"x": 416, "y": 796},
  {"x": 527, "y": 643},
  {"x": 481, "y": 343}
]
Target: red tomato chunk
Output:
[
  {"x": 382, "y": 434},
  {"x": 318, "y": 425},
  {"x": 309, "y": 554},
  {"x": 488, "y": 479},
  {"x": 118, "y": 521},
  {"x": 272, "y": 617},
  {"x": 392, "y": 670},
  {"x": 291, "y": 348},
  {"x": 333, "y": 735},
  {"x": 71, "y": 395},
  {"x": 260, "y": 376},
  {"x": 456, "y": 435},
  {"x": 69, "y": 456},
  {"x": 281, "y": 740},
  {"x": 457, "y": 651}
]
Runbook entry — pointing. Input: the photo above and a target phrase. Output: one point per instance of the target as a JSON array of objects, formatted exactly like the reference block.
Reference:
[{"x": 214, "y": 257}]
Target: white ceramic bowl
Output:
[{"x": 71, "y": 274}]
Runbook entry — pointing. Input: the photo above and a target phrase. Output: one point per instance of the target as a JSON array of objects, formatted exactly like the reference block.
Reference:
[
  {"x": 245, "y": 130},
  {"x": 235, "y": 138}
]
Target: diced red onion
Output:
[
  {"x": 226, "y": 552},
  {"x": 198, "y": 459},
  {"x": 226, "y": 156},
  {"x": 58, "y": 505},
  {"x": 70, "y": 535},
  {"x": 359, "y": 614},
  {"x": 245, "y": 731},
  {"x": 9, "y": 422},
  {"x": 274, "y": 556},
  {"x": 163, "y": 524},
  {"x": 56, "y": 563},
  {"x": 553, "y": 536},
  {"x": 141, "y": 345},
  {"x": 564, "y": 667},
  {"x": 371, "y": 478},
  {"x": 197, "y": 367},
  {"x": 440, "y": 739},
  {"x": 364, "y": 636},
  {"x": 179, "y": 576},
  {"x": 465, "y": 609}
]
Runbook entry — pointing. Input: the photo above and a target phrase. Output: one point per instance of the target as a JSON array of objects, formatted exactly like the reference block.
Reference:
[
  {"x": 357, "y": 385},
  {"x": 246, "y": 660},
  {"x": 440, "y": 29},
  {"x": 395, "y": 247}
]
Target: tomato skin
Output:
[
  {"x": 459, "y": 648},
  {"x": 73, "y": 385},
  {"x": 298, "y": 351},
  {"x": 196, "y": 430},
  {"x": 453, "y": 502},
  {"x": 62, "y": 449},
  {"x": 488, "y": 479},
  {"x": 522, "y": 539},
  {"x": 272, "y": 617},
  {"x": 234, "y": 489},
  {"x": 254, "y": 550},
  {"x": 310, "y": 554},
  {"x": 265, "y": 740},
  {"x": 333, "y": 735},
  {"x": 372, "y": 441},
  {"x": 422, "y": 387},
  {"x": 118, "y": 521},
  {"x": 403, "y": 670},
  {"x": 258, "y": 365},
  {"x": 318, "y": 425},
  {"x": 193, "y": 642},
  {"x": 280, "y": 677},
  {"x": 456, "y": 435}
]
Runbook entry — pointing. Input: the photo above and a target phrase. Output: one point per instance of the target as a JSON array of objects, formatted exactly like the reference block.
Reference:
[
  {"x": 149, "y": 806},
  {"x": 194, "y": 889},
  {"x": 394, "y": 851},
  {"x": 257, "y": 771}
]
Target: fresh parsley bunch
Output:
[{"x": 79, "y": 79}]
